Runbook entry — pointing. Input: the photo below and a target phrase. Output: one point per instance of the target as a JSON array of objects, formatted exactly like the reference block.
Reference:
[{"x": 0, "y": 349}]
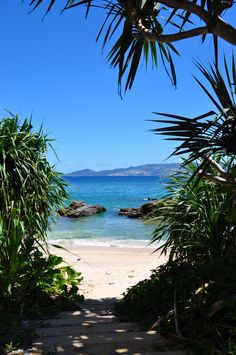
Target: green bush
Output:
[
  {"x": 30, "y": 191},
  {"x": 195, "y": 303},
  {"x": 196, "y": 221},
  {"x": 193, "y": 296}
]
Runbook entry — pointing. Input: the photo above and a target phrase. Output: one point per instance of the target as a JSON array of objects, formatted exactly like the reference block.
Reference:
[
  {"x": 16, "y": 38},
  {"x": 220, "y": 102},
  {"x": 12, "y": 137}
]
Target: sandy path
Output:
[
  {"x": 109, "y": 271},
  {"x": 93, "y": 328}
]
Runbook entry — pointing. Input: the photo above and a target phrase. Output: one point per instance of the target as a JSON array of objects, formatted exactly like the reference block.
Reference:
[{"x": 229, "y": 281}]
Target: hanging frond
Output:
[
  {"x": 131, "y": 46},
  {"x": 68, "y": 4},
  {"x": 214, "y": 131},
  {"x": 148, "y": 28}
]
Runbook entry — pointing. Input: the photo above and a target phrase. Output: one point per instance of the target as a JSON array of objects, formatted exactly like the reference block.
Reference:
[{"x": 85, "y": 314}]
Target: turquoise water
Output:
[{"x": 109, "y": 228}]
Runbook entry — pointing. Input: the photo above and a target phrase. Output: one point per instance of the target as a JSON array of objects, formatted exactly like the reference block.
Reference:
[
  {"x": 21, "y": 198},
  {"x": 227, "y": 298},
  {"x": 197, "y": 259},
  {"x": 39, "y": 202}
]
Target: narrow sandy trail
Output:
[{"x": 93, "y": 328}]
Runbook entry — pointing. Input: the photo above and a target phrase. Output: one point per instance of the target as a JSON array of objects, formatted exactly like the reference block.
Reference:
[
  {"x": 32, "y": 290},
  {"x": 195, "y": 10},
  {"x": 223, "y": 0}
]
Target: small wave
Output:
[{"x": 128, "y": 243}]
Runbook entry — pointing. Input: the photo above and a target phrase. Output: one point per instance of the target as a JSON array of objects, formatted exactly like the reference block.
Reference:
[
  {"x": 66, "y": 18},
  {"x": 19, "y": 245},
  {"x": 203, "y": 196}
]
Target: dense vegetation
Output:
[
  {"x": 193, "y": 296},
  {"x": 30, "y": 192},
  {"x": 193, "y": 304}
]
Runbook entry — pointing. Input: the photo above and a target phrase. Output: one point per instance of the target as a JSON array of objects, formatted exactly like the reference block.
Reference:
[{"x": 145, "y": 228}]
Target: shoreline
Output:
[
  {"x": 109, "y": 270},
  {"x": 106, "y": 243},
  {"x": 102, "y": 245}
]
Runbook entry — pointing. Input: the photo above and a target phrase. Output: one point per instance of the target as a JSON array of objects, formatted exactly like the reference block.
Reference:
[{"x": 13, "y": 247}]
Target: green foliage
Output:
[
  {"x": 60, "y": 280},
  {"x": 194, "y": 303},
  {"x": 201, "y": 136},
  {"x": 30, "y": 191},
  {"x": 199, "y": 224},
  {"x": 131, "y": 45},
  {"x": 196, "y": 220},
  {"x": 154, "y": 297},
  {"x": 148, "y": 28},
  {"x": 193, "y": 295},
  {"x": 32, "y": 281}
]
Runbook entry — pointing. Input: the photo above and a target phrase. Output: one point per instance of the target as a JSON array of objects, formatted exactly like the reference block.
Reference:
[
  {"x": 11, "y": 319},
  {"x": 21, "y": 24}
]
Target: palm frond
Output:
[
  {"x": 212, "y": 132},
  {"x": 122, "y": 19},
  {"x": 131, "y": 45},
  {"x": 68, "y": 4}
]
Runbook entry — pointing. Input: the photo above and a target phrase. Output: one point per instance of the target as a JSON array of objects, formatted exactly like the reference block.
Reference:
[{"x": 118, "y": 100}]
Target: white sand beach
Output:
[{"x": 109, "y": 271}]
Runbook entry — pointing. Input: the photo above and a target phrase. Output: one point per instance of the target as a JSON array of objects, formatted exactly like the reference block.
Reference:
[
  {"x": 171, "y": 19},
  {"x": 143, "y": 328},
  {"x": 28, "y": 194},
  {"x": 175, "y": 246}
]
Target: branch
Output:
[
  {"x": 217, "y": 179},
  {"x": 218, "y": 168},
  {"x": 214, "y": 24},
  {"x": 224, "y": 30},
  {"x": 228, "y": 177},
  {"x": 223, "y": 6},
  {"x": 189, "y": 7},
  {"x": 151, "y": 36}
]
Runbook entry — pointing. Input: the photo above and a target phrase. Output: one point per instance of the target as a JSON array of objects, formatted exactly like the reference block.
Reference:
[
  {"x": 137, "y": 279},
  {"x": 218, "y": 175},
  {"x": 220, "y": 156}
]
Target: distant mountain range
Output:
[{"x": 161, "y": 170}]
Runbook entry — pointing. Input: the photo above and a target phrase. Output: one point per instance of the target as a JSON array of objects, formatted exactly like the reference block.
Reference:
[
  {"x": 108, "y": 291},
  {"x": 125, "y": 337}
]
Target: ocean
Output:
[{"x": 108, "y": 228}]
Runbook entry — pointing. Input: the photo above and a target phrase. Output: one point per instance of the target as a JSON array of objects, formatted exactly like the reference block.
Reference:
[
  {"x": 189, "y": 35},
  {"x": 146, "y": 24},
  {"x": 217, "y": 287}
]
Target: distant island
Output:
[{"x": 160, "y": 170}]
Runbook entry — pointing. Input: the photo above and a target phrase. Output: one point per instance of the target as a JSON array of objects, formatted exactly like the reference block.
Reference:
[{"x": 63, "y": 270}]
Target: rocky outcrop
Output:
[
  {"x": 145, "y": 211},
  {"x": 80, "y": 209},
  {"x": 131, "y": 212}
]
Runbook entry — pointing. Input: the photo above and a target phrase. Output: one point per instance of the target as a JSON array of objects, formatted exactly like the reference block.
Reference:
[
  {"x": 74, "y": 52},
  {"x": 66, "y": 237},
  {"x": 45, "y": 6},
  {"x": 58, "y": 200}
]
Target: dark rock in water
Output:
[
  {"x": 148, "y": 208},
  {"x": 130, "y": 212},
  {"x": 145, "y": 211},
  {"x": 80, "y": 209}
]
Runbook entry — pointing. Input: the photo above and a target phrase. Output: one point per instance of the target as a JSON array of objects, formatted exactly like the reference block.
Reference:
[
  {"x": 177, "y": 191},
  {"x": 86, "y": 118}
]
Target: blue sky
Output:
[{"x": 55, "y": 71}]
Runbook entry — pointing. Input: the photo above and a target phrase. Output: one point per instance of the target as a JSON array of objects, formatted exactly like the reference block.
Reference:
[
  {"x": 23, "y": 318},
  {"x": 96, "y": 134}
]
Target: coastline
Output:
[
  {"x": 105, "y": 243},
  {"x": 109, "y": 270}
]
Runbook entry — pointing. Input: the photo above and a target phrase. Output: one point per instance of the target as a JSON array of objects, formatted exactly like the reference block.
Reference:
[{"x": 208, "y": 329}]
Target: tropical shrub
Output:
[
  {"x": 196, "y": 221},
  {"x": 193, "y": 296},
  {"x": 191, "y": 303},
  {"x": 30, "y": 191}
]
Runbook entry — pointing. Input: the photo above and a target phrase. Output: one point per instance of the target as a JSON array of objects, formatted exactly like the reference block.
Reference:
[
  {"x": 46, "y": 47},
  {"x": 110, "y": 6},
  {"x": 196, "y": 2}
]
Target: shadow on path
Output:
[{"x": 93, "y": 329}]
